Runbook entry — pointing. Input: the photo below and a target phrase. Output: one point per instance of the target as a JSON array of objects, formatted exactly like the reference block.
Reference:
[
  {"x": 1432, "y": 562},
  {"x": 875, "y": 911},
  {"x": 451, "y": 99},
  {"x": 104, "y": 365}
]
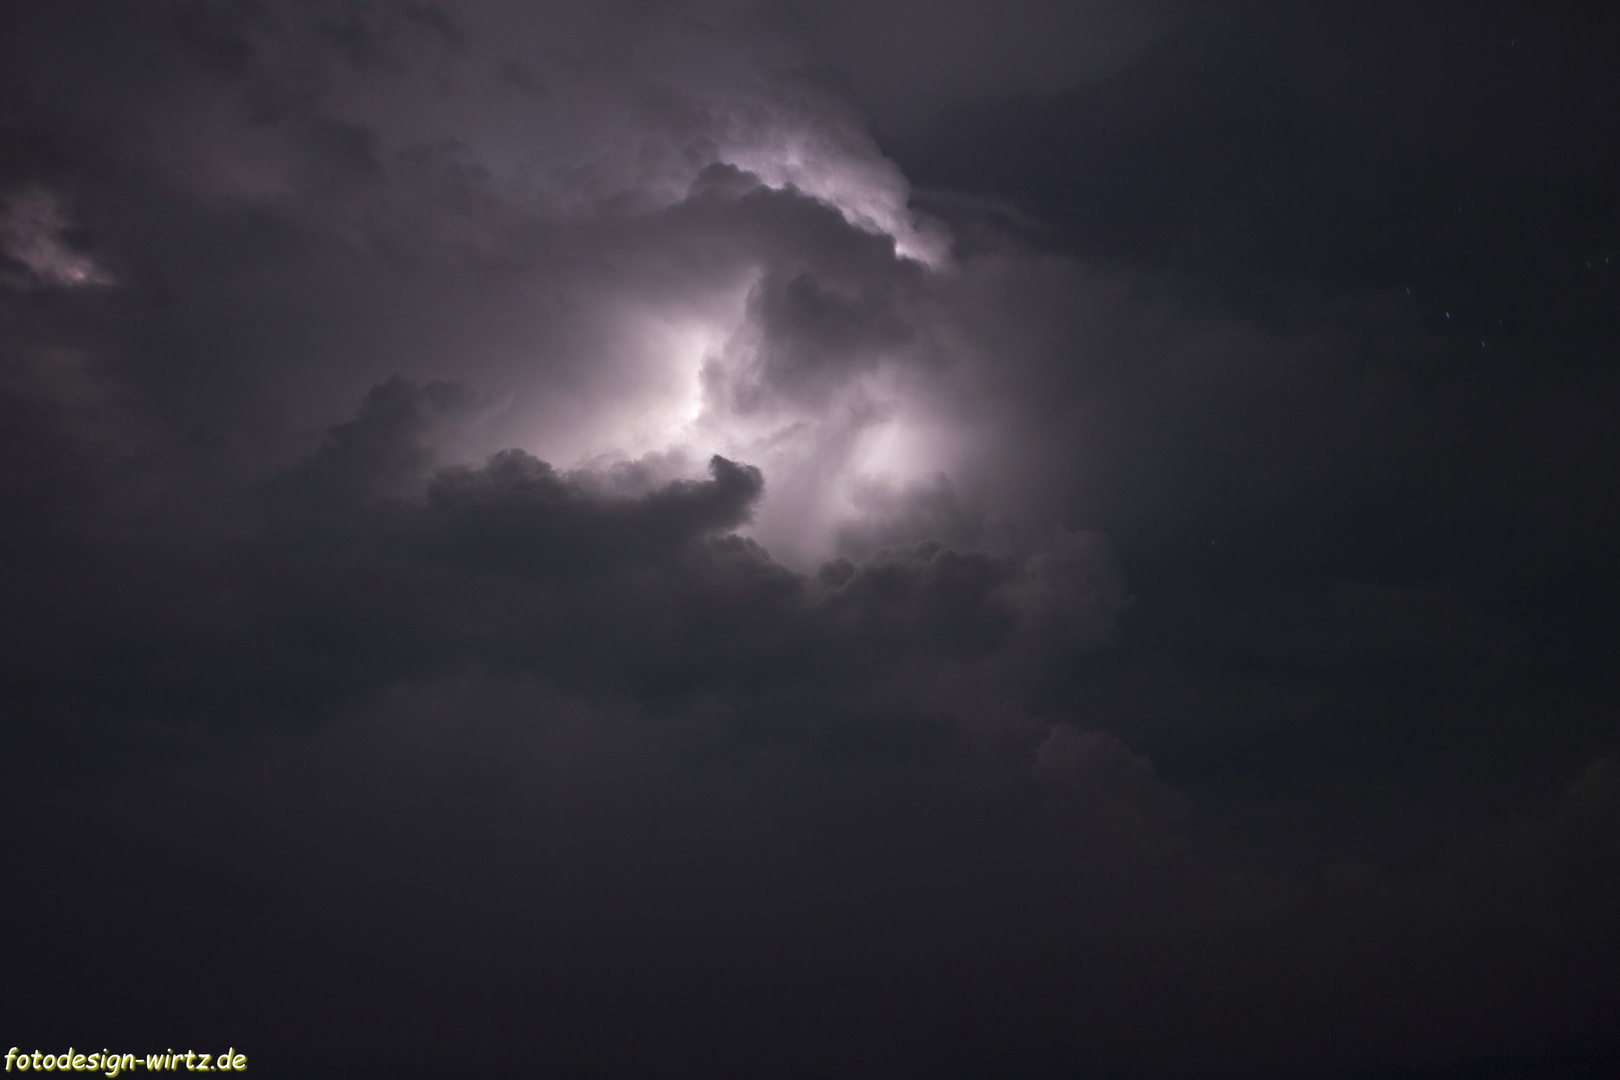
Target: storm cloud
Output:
[{"x": 647, "y": 539}]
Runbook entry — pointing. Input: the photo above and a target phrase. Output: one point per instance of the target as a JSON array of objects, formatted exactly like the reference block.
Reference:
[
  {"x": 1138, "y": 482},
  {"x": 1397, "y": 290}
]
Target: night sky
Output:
[{"x": 860, "y": 538}]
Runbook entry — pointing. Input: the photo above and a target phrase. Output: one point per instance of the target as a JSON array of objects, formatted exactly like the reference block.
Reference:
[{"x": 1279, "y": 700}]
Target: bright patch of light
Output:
[
  {"x": 895, "y": 450},
  {"x": 661, "y": 415},
  {"x": 31, "y": 233},
  {"x": 686, "y": 347}
]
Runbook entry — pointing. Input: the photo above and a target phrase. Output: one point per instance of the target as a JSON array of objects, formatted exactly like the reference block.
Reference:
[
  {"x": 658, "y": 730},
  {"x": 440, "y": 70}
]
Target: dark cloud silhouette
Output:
[{"x": 529, "y": 545}]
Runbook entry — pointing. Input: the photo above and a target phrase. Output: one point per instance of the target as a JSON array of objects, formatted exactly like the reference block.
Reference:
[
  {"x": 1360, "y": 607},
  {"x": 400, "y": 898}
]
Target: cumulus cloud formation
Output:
[
  {"x": 533, "y": 542},
  {"x": 686, "y": 245},
  {"x": 365, "y": 563}
]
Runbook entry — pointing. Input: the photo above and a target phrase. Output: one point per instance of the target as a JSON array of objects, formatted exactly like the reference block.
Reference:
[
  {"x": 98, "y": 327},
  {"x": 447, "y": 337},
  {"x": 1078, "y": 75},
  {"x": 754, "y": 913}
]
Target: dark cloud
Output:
[
  {"x": 529, "y": 546},
  {"x": 807, "y": 326},
  {"x": 909, "y": 63}
]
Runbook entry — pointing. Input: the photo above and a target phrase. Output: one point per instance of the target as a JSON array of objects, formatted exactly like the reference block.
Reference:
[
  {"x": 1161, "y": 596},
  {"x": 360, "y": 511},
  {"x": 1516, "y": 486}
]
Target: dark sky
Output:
[{"x": 884, "y": 538}]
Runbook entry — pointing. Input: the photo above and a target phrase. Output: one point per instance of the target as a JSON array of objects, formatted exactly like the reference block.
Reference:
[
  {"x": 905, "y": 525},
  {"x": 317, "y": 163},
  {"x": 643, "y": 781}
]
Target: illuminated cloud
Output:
[
  {"x": 547, "y": 536},
  {"x": 33, "y": 233}
]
